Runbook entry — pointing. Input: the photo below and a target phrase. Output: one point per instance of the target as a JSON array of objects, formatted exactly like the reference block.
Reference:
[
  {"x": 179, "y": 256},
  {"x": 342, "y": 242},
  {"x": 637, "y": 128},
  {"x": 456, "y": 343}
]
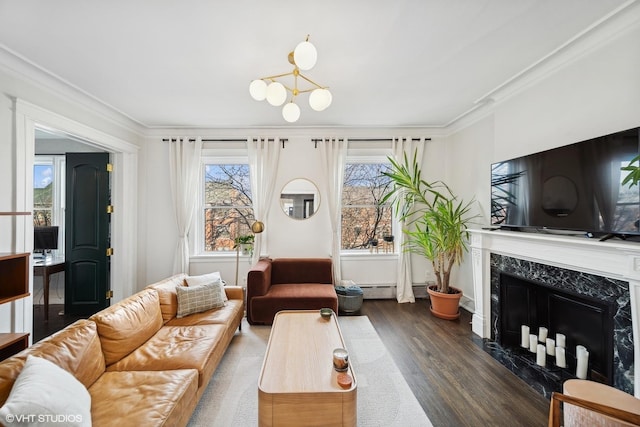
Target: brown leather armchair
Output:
[{"x": 289, "y": 284}]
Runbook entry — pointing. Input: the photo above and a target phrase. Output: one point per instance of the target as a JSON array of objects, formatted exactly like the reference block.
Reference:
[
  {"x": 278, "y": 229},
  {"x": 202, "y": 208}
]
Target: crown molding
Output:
[
  {"x": 601, "y": 32},
  {"x": 20, "y": 68},
  {"x": 293, "y": 132},
  {"x": 593, "y": 37},
  {"x": 608, "y": 28}
]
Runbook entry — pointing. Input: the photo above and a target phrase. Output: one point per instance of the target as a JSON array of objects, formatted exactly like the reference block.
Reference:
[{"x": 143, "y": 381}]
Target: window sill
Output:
[
  {"x": 368, "y": 255},
  {"x": 222, "y": 255}
]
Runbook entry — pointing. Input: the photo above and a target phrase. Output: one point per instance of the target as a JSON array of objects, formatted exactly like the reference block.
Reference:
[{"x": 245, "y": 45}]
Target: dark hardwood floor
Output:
[
  {"x": 455, "y": 381},
  {"x": 57, "y": 320}
]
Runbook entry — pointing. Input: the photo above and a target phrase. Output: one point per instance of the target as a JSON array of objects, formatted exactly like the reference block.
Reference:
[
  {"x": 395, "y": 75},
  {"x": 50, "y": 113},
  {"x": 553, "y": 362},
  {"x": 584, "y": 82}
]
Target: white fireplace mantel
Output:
[{"x": 616, "y": 259}]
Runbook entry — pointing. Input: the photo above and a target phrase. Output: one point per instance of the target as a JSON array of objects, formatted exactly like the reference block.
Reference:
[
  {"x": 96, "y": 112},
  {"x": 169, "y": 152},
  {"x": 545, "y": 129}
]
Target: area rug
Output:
[{"x": 384, "y": 398}]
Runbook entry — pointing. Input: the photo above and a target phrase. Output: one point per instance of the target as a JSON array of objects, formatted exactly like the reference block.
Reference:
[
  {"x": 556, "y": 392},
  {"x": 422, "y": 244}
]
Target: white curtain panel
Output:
[
  {"x": 184, "y": 167},
  {"x": 263, "y": 168},
  {"x": 334, "y": 155},
  {"x": 404, "y": 290}
]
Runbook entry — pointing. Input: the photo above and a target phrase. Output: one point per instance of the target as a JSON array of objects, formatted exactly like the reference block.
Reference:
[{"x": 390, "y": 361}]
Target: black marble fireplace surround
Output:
[{"x": 609, "y": 295}]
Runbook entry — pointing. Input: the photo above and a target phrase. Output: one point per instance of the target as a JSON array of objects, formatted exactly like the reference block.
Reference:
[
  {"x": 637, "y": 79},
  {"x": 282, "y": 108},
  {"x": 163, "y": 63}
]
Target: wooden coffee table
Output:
[{"x": 298, "y": 385}]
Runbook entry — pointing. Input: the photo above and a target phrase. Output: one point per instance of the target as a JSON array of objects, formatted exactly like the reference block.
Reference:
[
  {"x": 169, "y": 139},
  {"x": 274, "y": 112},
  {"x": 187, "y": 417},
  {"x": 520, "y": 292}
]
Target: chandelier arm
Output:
[
  {"x": 312, "y": 82},
  {"x": 307, "y": 90},
  {"x": 275, "y": 76}
]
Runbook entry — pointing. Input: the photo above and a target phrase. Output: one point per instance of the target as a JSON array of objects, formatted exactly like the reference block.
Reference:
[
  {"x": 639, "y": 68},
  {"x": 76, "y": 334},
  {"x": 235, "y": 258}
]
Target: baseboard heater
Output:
[{"x": 388, "y": 291}]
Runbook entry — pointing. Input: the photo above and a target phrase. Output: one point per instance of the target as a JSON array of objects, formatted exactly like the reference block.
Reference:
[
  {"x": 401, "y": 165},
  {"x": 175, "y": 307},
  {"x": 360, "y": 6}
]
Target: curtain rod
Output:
[
  {"x": 316, "y": 140},
  {"x": 367, "y": 139},
  {"x": 283, "y": 140},
  {"x": 225, "y": 140}
]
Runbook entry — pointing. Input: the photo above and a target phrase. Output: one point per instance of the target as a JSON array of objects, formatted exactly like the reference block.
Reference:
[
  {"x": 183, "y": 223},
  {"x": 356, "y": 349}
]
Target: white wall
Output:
[
  {"x": 283, "y": 236},
  {"x": 289, "y": 237},
  {"x": 470, "y": 154},
  {"x": 595, "y": 94}
]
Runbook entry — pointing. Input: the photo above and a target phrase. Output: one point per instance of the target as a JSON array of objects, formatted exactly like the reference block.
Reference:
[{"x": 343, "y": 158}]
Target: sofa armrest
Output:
[
  {"x": 259, "y": 278},
  {"x": 234, "y": 292}
]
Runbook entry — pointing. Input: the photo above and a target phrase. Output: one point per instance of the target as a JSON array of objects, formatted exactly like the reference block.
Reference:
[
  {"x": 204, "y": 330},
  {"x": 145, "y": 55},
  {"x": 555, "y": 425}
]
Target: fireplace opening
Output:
[{"x": 582, "y": 319}]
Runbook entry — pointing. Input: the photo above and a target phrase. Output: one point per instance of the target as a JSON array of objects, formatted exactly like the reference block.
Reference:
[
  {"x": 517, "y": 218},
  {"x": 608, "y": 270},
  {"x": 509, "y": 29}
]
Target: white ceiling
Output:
[{"x": 188, "y": 63}]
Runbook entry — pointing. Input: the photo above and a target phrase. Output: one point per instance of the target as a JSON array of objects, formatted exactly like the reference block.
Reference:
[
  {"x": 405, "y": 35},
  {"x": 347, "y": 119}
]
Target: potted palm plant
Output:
[{"x": 436, "y": 228}]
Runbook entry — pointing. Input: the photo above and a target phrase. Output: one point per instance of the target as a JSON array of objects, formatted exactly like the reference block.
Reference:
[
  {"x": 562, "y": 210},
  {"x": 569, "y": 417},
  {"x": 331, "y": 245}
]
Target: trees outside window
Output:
[
  {"x": 43, "y": 182},
  {"x": 364, "y": 221},
  {"x": 227, "y": 206}
]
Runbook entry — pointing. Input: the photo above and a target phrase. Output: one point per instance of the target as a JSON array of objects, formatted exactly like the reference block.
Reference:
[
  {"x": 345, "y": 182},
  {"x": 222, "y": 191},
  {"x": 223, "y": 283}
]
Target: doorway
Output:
[
  {"x": 124, "y": 155},
  {"x": 53, "y": 219}
]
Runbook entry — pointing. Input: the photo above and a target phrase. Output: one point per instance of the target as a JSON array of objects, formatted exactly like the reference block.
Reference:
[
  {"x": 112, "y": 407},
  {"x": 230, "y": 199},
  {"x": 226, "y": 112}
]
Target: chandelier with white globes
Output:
[{"x": 303, "y": 57}]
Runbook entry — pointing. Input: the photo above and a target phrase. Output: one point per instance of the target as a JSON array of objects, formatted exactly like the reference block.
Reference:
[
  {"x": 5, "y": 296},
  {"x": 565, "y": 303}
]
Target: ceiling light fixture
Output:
[{"x": 303, "y": 57}]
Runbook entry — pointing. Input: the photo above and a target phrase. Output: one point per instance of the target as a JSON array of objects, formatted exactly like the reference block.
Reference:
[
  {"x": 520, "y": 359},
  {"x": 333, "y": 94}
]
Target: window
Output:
[
  {"x": 227, "y": 207},
  {"x": 43, "y": 183},
  {"x": 48, "y": 194},
  {"x": 365, "y": 223}
]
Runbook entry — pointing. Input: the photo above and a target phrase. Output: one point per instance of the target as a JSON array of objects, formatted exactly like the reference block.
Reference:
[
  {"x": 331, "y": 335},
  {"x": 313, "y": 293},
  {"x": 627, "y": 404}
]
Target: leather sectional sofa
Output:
[
  {"x": 289, "y": 284},
  {"x": 140, "y": 363}
]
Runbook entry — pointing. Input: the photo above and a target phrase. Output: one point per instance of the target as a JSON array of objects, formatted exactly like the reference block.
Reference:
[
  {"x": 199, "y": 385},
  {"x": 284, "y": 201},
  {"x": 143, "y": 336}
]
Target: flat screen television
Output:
[
  {"x": 575, "y": 188},
  {"x": 45, "y": 238}
]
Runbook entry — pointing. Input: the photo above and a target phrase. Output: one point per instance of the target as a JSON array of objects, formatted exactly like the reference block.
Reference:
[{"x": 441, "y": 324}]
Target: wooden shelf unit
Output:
[
  {"x": 14, "y": 285},
  {"x": 11, "y": 344}
]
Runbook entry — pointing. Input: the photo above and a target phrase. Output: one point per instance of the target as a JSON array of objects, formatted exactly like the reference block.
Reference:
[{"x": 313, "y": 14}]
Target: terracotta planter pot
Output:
[{"x": 445, "y": 306}]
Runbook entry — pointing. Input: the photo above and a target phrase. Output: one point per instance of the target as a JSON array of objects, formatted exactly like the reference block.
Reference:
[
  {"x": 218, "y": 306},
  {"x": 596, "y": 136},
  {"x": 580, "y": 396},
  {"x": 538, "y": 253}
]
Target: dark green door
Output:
[{"x": 87, "y": 233}]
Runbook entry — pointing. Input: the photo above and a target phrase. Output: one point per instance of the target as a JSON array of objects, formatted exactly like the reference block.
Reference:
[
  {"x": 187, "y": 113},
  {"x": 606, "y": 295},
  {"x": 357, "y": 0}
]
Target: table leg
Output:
[{"x": 45, "y": 286}]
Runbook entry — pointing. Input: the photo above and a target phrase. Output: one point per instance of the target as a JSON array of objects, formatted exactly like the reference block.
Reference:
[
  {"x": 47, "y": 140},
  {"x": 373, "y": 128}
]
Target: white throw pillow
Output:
[
  {"x": 206, "y": 278},
  {"x": 44, "y": 394},
  {"x": 199, "y": 298}
]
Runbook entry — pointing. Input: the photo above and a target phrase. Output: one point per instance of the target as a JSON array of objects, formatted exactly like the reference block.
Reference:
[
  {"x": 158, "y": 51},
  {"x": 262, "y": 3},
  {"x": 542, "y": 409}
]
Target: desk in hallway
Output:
[{"x": 45, "y": 268}]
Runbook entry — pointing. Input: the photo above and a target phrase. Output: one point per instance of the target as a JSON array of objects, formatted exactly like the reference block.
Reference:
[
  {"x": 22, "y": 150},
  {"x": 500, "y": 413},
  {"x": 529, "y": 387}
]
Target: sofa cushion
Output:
[
  {"x": 224, "y": 315},
  {"x": 43, "y": 389},
  {"x": 178, "y": 347},
  {"x": 169, "y": 299},
  {"x": 128, "y": 324},
  {"x": 199, "y": 298},
  {"x": 205, "y": 279},
  {"x": 144, "y": 398},
  {"x": 75, "y": 348},
  {"x": 167, "y": 293}
]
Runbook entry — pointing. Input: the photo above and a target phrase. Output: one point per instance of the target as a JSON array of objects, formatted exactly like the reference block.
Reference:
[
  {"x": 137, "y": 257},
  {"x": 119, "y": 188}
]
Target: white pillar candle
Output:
[
  {"x": 582, "y": 356},
  {"x": 533, "y": 343},
  {"x": 541, "y": 355},
  {"x": 542, "y": 334},
  {"x": 561, "y": 340},
  {"x": 561, "y": 362},
  {"x": 551, "y": 346},
  {"x": 524, "y": 342}
]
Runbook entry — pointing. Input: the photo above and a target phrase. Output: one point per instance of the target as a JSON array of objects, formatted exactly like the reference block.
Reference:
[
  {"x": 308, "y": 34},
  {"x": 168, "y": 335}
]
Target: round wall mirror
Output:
[{"x": 300, "y": 198}]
